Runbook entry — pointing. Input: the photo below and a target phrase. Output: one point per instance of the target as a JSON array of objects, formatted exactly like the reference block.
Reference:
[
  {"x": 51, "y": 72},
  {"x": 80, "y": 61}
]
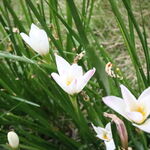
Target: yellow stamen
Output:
[
  {"x": 141, "y": 110},
  {"x": 68, "y": 82},
  {"x": 105, "y": 136}
]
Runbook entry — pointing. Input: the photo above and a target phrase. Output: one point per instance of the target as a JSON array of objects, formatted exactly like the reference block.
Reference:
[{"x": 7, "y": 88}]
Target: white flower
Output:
[
  {"x": 13, "y": 139},
  {"x": 106, "y": 135},
  {"x": 134, "y": 110},
  {"x": 70, "y": 77},
  {"x": 37, "y": 40}
]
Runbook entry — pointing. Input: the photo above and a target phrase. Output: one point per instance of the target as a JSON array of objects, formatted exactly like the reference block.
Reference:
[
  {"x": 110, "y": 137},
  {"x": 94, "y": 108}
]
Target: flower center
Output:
[
  {"x": 141, "y": 110},
  {"x": 105, "y": 137},
  {"x": 142, "y": 117},
  {"x": 69, "y": 80}
]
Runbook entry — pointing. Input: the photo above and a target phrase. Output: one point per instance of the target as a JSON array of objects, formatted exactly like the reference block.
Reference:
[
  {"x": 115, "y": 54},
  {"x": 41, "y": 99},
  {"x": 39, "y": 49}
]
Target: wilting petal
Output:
[
  {"x": 144, "y": 94},
  {"x": 60, "y": 82},
  {"x": 145, "y": 126},
  {"x": 62, "y": 65},
  {"x": 128, "y": 97},
  {"x": 135, "y": 117},
  {"x": 110, "y": 145},
  {"x": 121, "y": 128},
  {"x": 117, "y": 104},
  {"x": 84, "y": 80}
]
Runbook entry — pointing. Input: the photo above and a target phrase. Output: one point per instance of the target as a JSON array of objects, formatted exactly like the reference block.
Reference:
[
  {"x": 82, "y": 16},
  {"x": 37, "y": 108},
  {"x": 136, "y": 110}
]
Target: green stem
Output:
[
  {"x": 47, "y": 58},
  {"x": 75, "y": 104},
  {"x": 81, "y": 121},
  {"x": 18, "y": 148},
  {"x": 144, "y": 140}
]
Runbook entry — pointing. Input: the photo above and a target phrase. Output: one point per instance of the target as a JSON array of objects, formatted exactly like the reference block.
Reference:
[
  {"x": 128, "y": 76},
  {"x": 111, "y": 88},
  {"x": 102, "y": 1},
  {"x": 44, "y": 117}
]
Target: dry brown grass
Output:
[{"x": 107, "y": 31}]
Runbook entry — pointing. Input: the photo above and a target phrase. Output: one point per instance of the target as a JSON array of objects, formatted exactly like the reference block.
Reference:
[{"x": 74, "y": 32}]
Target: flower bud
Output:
[
  {"x": 121, "y": 129},
  {"x": 13, "y": 139},
  {"x": 37, "y": 40}
]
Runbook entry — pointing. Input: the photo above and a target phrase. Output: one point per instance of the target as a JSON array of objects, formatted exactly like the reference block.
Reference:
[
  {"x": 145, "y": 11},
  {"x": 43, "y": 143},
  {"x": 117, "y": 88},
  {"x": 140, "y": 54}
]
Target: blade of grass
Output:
[{"x": 130, "y": 46}]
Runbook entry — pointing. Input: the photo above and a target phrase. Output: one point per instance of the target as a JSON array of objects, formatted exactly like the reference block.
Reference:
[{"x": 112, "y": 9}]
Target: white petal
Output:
[
  {"x": 40, "y": 42},
  {"x": 145, "y": 126},
  {"x": 76, "y": 70},
  {"x": 84, "y": 80},
  {"x": 60, "y": 82},
  {"x": 110, "y": 145},
  {"x": 108, "y": 126},
  {"x": 135, "y": 116},
  {"x": 44, "y": 43},
  {"x": 34, "y": 31},
  {"x": 145, "y": 103},
  {"x": 108, "y": 129},
  {"x": 62, "y": 65},
  {"x": 117, "y": 104},
  {"x": 73, "y": 87},
  {"x": 26, "y": 38},
  {"x": 99, "y": 131},
  {"x": 34, "y": 27},
  {"x": 144, "y": 94},
  {"x": 129, "y": 98},
  {"x": 37, "y": 40}
]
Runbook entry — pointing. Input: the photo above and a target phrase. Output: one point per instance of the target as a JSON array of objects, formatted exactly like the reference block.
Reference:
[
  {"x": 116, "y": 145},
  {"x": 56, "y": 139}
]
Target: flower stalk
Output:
[
  {"x": 47, "y": 58},
  {"x": 74, "y": 102}
]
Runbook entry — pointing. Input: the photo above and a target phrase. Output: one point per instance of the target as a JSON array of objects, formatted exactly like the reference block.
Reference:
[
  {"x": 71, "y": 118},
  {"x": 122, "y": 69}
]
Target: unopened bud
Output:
[
  {"x": 121, "y": 129},
  {"x": 13, "y": 139}
]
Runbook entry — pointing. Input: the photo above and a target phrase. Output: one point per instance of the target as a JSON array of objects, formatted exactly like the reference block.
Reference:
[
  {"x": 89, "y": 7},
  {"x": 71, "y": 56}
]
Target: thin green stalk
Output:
[
  {"x": 25, "y": 12},
  {"x": 90, "y": 12},
  {"x": 56, "y": 23},
  {"x": 42, "y": 9},
  {"x": 129, "y": 43},
  {"x": 143, "y": 42},
  {"x": 40, "y": 19},
  {"x": 97, "y": 62},
  {"x": 82, "y": 123},
  {"x": 144, "y": 140},
  {"x": 75, "y": 104}
]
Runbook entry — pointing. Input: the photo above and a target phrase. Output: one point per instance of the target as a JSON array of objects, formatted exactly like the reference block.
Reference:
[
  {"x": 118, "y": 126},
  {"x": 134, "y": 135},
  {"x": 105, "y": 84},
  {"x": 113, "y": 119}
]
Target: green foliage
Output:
[{"x": 32, "y": 104}]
